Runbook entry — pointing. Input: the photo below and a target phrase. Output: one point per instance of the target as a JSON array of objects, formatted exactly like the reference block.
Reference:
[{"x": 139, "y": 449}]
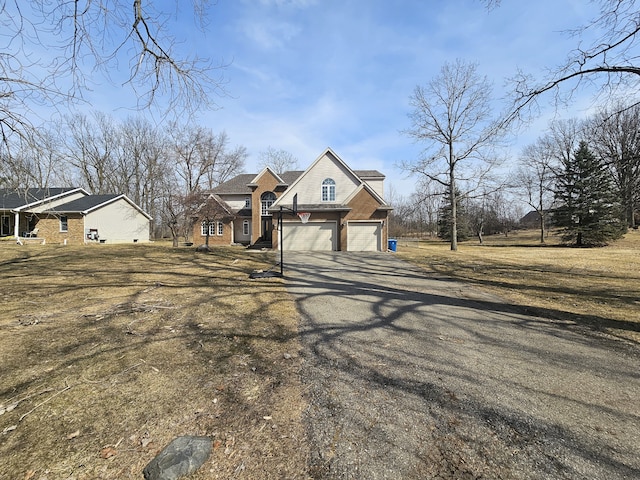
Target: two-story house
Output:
[{"x": 347, "y": 209}]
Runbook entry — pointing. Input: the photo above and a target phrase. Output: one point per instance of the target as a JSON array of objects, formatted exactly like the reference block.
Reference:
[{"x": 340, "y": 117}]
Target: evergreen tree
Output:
[
  {"x": 589, "y": 210},
  {"x": 445, "y": 218}
]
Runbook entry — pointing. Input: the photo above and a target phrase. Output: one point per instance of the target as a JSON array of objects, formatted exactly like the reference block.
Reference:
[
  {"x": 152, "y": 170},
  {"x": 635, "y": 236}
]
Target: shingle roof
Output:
[
  {"x": 237, "y": 184},
  {"x": 291, "y": 176},
  {"x": 11, "y": 198},
  {"x": 369, "y": 174},
  {"x": 83, "y": 204}
]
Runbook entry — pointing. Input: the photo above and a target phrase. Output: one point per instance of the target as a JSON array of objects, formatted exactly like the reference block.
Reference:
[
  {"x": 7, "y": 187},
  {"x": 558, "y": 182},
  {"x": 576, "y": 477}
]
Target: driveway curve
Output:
[{"x": 413, "y": 376}]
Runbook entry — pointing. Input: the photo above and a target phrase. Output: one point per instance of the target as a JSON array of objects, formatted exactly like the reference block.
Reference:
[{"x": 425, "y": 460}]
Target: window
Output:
[
  {"x": 208, "y": 229},
  {"x": 64, "y": 223},
  {"x": 247, "y": 202},
  {"x": 245, "y": 227},
  {"x": 267, "y": 199},
  {"x": 328, "y": 190},
  {"x": 220, "y": 228}
]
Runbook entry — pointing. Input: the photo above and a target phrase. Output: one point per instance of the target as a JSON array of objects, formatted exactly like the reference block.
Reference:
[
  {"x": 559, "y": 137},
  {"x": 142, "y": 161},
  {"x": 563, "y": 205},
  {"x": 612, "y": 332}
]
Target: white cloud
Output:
[{"x": 270, "y": 35}]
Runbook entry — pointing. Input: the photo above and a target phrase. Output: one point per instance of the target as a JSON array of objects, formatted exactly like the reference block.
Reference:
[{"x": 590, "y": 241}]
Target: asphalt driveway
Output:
[{"x": 413, "y": 376}]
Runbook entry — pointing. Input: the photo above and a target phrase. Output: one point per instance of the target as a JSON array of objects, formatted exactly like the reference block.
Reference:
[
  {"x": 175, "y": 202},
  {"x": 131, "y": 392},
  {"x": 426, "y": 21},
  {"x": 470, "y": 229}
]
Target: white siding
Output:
[
  {"x": 118, "y": 222},
  {"x": 238, "y": 234},
  {"x": 309, "y": 187},
  {"x": 235, "y": 201},
  {"x": 377, "y": 186}
]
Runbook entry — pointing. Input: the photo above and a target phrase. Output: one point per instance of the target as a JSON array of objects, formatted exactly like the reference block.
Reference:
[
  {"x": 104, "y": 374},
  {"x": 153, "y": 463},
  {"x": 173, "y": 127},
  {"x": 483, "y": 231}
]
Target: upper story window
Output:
[
  {"x": 247, "y": 202},
  {"x": 266, "y": 200},
  {"x": 328, "y": 190}
]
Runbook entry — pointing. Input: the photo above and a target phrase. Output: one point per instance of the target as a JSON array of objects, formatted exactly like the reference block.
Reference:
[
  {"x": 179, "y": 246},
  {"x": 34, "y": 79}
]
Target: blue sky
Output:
[{"x": 307, "y": 74}]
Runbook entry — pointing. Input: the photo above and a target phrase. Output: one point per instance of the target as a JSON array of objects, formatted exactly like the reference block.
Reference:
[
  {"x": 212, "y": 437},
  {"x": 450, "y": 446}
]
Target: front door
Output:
[{"x": 267, "y": 228}]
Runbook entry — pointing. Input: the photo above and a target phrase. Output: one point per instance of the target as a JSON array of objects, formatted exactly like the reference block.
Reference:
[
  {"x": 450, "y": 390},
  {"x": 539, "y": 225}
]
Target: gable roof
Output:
[
  {"x": 254, "y": 181},
  {"x": 373, "y": 193},
  {"x": 220, "y": 207},
  {"x": 328, "y": 152},
  {"x": 240, "y": 183},
  {"x": 19, "y": 199},
  {"x": 90, "y": 203},
  {"x": 237, "y": 184}
]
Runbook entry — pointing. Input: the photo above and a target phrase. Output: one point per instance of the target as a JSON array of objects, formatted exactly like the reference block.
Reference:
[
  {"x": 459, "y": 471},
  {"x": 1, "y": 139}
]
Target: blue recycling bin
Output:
[{"x": 393, "y": 244}]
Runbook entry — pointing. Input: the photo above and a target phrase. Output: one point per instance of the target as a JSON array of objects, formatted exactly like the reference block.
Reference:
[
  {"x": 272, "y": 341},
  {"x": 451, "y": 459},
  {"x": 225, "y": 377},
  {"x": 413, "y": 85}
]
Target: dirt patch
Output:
[{"x": 109, "y": 352}]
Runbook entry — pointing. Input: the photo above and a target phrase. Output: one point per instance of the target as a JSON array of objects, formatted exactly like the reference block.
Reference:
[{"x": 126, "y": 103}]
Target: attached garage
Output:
[
  {"x": 312, "y": 236},
  {"x": 364, "y": 236}
]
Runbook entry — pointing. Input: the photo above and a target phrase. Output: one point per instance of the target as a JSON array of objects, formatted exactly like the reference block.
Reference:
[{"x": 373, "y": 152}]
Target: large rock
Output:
[{"x": 180, "y": 458}]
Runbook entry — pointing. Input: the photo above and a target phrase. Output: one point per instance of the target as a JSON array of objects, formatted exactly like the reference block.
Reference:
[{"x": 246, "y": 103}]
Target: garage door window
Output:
[{"x": 328, "y": 190}]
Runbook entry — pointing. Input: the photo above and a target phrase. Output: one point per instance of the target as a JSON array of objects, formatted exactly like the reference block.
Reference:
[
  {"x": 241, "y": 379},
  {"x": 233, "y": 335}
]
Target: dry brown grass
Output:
[
  {"x": 599, "y": 287},
  {"x": 109, "y": 352}
]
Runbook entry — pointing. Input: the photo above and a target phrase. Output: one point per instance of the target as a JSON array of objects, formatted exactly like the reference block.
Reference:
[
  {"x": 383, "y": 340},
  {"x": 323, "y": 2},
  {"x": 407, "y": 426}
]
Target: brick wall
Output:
[
  {"x": 224, "y": 239},
  {"x": 365, "y": 207},
  {"x": 49, "y": 229},
  {"x": 267, "y": 183}
]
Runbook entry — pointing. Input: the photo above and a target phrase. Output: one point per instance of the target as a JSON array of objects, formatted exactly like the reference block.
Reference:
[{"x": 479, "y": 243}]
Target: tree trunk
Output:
[{"x": 453, "y": 200}]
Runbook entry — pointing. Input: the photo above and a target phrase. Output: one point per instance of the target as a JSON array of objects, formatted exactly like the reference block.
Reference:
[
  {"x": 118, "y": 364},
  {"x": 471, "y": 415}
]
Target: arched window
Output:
[
  {"x": 266, "y": 200},
  {"x": 328, "y": 190}
]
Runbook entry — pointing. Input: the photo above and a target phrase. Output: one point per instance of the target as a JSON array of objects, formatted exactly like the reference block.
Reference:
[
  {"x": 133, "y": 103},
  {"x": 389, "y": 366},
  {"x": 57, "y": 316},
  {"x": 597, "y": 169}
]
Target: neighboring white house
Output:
[
  {"x": 72, "y": 216},
  {"x": 104, "y": 219}
]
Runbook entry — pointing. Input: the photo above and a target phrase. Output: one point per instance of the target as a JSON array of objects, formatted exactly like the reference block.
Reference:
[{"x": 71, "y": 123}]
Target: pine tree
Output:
[
  {"x": 445, "y": 214},
  {"x": 589, "y": 210}
]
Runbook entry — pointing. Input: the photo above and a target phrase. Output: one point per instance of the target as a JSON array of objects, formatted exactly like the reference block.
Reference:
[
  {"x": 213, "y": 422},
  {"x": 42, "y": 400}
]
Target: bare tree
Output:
[
  {"x": 535, "y": 178},
  {"x": 34, "y": 161},
  {"x": 209, "y": 210},
  {"x": 85, "y": 39},
  {"x": 615, "y": 137},
  {"x": 278, "y": 159},
  {"x": 452, "y": 117},
  {"x": 92, "y": 148},
  {"x": 201, "y": 157},
  {"x": 610, "y": 63},
  {"x": 143, "y": 165}
]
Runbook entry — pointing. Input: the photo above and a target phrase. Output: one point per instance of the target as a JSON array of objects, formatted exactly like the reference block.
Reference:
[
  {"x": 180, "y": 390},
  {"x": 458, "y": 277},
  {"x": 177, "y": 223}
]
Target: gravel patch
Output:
[{"x": 412, "y": 376}]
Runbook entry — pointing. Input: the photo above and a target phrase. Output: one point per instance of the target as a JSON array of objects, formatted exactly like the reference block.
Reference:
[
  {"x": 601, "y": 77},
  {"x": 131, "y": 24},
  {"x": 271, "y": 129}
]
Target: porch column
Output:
[{"x": 16, "y": 226}]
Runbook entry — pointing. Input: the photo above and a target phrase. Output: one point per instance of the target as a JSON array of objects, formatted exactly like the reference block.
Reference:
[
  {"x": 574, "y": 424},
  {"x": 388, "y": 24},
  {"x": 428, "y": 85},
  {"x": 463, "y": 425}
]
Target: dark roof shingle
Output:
[
  {"x": 83, "y": 204},
  {"x": 14, "y": 198}
]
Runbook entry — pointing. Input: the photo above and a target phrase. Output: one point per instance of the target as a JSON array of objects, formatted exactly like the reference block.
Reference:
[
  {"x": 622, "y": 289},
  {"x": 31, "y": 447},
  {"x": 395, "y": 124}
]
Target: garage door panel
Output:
[
  {"x": 312, "y": 236},
  {"x": 364, "y": 237}
]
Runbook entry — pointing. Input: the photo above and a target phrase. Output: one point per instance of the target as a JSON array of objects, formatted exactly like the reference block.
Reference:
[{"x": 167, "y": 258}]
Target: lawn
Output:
[
  {"x": 109, "y": 352},
  {"x": 597, "y": 287}
]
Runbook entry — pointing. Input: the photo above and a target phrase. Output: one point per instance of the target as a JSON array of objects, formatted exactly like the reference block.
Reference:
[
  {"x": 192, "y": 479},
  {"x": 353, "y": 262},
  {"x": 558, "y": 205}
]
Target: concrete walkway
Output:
[{"x": 412, "y": 376}]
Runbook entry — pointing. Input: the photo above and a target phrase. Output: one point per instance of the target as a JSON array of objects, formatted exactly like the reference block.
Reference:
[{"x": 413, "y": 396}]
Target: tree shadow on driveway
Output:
[{"x": 413, "y": 376}]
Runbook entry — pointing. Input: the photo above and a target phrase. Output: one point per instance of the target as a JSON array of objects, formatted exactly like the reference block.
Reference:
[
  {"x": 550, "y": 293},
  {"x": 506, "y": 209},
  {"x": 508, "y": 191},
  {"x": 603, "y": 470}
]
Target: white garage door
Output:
[
  {"x": 364, "y": 237},
  {"x": 310, "y": 236}
]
